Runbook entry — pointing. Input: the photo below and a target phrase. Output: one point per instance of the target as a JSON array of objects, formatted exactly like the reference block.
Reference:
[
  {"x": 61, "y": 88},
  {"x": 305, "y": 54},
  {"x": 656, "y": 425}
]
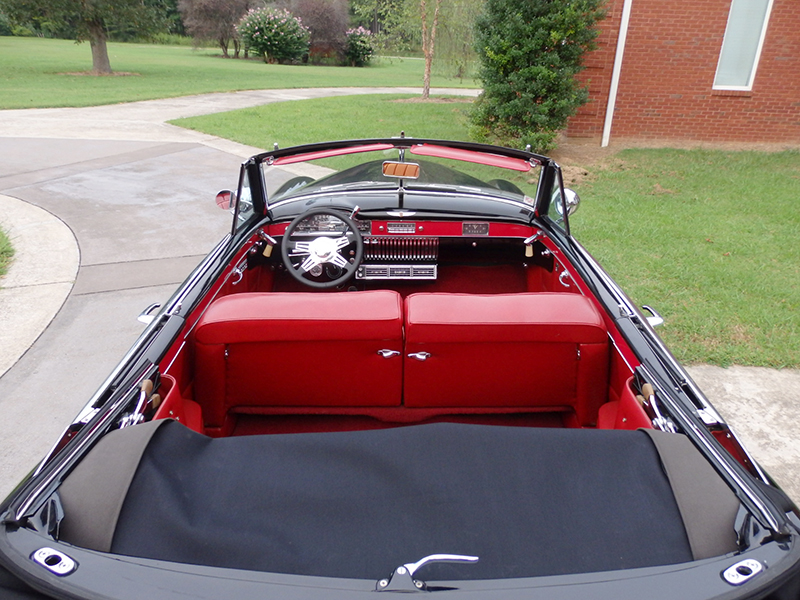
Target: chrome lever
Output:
[
  {"x": 420, "y": 355},
  {"x": 656, "y": 319},
  {"x": 388, "y": 353},
  {"x": 145, "y": 316},
  {"x": 402, "y": 580},
  {"x": 439, "y": 558}
]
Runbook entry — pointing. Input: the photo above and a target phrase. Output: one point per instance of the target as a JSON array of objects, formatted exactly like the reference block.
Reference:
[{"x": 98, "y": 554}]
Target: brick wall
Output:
[{"x": 665, "y": 88}]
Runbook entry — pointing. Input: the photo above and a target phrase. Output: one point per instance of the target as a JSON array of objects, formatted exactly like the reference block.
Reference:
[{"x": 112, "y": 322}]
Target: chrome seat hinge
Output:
[
  {"x": 659, "y": 420},
  {"x": 238, "y": 271}
]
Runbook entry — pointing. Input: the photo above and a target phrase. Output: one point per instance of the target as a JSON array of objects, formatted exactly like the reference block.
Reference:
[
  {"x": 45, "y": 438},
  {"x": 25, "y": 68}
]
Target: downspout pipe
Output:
[{"x": 615, "y": 74}]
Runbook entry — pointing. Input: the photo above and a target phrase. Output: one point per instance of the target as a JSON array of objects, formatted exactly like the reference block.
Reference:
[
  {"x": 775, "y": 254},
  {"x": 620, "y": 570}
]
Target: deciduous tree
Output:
[
  {"x": 91, "y": 20},
  {"x": 428, "y": 43},
  {"x": 214, "y": 20},
  {"x": 455, "y": 40},
  {"x": 327, "y": 21}
]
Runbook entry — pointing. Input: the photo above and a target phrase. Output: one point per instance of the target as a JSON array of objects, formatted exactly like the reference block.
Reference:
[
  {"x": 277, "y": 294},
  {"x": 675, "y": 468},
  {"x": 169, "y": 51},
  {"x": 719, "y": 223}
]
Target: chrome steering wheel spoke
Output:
[
  {"x": 301, "y": 248},
  {"x": 339, "y": 260},
  {"x": 342, "y": 242},
  {"x": 309, "y": 263}
]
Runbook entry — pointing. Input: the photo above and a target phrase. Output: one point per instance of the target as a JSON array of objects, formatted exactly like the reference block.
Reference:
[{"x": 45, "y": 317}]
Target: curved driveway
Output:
[{"x": 110, "y": 208}]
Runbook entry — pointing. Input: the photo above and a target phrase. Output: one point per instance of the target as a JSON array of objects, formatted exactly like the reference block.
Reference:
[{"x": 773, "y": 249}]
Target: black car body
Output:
[{"x": 399, "y": 373}]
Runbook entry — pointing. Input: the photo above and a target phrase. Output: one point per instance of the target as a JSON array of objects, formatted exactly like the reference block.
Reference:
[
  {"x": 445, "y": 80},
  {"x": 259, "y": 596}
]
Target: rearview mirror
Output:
[
  {"x": 225, "y": 199},
  {"x": 572, "y": 202}
]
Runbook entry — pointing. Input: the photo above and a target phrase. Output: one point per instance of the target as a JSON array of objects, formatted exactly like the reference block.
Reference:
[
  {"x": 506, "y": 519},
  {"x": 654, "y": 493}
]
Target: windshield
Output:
[{"x": 508, "y": 179}]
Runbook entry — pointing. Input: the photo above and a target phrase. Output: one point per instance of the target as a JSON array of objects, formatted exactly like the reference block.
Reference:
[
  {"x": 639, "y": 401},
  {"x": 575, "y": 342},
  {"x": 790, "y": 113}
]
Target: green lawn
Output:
[
  {"x": 707, "y": 238},
  {"x": 6, "y": 253},
  {"x": 346, "y": 117},
  {"x": 379, "y": 115},
  {"x": 38, "y": 72}
]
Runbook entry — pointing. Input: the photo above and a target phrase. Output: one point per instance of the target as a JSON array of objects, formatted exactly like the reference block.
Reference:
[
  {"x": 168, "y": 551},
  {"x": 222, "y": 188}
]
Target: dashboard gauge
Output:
[
  {"x": 475, "y": 228},
  {"x": 323, "y": 223},
  {"x": 333, "y": 271}
]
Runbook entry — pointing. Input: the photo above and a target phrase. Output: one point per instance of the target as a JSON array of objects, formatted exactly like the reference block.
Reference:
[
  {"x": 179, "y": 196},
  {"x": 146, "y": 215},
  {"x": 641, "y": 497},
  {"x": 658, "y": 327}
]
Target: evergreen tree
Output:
[{"x": 530, "y": 52}]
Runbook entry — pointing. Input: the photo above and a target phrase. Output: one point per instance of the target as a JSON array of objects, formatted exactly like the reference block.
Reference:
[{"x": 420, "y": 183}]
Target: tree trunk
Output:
[
  {"x": 223, "y": 43},
  {"x": 97, "y": 40},
  {"x": 428, "y": 44}
]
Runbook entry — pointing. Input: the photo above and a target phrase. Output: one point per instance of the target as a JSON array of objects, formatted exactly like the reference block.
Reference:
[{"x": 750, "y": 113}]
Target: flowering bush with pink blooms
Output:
[
  {"x": 358, "y": 49},
  {"x": 274, "y": 34}
]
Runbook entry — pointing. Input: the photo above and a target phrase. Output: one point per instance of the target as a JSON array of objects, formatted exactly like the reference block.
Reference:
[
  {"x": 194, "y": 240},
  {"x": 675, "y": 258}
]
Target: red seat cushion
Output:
[
  {"x": 532, "y": 317},
  {"x": 274, "y": 317},
  {"x": 544, "y": 351}
]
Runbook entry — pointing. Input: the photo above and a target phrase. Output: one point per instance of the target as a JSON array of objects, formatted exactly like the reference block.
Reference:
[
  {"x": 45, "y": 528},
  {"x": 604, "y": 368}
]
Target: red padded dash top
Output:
[
  {"x": 262, "y": 317},
  {"x": 530, "y": 317}
]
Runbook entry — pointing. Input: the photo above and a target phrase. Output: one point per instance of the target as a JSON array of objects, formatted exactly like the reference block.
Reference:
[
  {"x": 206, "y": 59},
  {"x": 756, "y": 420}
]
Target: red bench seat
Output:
[{"x": 528, "y": 352}]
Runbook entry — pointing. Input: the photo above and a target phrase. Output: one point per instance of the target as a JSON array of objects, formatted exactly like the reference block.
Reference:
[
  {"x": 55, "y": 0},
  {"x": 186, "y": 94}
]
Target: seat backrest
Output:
[
  {"x": 544, "y": 351},
  {"x": 298, "y": 349}
]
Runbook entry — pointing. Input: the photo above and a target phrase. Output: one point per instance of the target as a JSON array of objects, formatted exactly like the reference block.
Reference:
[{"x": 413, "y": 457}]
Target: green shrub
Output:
[
  {"x": 5, "y": 24},
  {"x": 274, "y": 34},
  {"x": 174, "y": 39},
  {"x": 530, "y": 52},
  {"x": 358, "y": 50},
  {"x": 6, "y": 252},
  {"x": 22, "y": 31}
]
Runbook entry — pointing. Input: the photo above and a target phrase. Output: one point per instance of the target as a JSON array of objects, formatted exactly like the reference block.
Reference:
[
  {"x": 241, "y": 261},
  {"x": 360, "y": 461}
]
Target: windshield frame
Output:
[{"x": 456, "y": 151}]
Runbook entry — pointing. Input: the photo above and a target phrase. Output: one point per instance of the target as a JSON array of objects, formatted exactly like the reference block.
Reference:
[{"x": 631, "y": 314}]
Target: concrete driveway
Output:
[{"x": 110, "y": 208}]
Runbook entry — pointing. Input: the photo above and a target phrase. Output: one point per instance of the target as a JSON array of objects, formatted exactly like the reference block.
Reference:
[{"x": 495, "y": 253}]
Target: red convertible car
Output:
[{"x": 399, "y": 372}]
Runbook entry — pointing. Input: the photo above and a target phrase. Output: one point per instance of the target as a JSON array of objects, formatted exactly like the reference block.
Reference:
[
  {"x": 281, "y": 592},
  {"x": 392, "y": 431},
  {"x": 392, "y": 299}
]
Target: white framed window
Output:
[{"x": 741, "y": 46}]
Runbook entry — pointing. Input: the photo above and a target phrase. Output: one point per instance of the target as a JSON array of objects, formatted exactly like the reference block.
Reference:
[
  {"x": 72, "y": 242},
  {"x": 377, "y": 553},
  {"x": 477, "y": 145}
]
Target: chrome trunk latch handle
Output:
[
  {"x": 402, "y": 580},
  {"x": 145, "y": 316},
  {"x": 388, "y": 353},
  {"x": 420, "y": 355}
]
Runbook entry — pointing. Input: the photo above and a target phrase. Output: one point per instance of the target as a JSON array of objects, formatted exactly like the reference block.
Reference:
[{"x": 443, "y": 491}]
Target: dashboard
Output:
[{"x": 413, "y": 249}]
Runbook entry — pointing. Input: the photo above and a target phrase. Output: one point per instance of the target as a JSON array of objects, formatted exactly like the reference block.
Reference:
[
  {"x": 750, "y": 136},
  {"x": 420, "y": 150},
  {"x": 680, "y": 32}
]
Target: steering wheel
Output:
[{"x": 330, "y": 258}]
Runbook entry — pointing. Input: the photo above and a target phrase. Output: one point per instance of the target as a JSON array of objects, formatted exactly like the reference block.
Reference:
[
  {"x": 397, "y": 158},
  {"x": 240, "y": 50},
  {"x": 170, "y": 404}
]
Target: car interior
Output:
[
  {"x": 490, "y": 411},
  {"x": 355, "y": 390}
]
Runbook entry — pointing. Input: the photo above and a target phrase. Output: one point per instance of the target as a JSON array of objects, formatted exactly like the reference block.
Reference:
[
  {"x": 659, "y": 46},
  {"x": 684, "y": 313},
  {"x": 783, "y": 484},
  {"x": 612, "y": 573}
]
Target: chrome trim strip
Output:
[
  {"x": 621, "y": 354},
  {"x": 172, "y": 307},
  {"x": 767, "y": 519},
  {"x": 397, "y": 271},
  {"x": 174, "y": 358},
  {"x": 762, "y": 475},
  {"x": 707, "y": 413},
  {"x": 198, "y": 273},
  {"x": 104, "y": 421}
]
